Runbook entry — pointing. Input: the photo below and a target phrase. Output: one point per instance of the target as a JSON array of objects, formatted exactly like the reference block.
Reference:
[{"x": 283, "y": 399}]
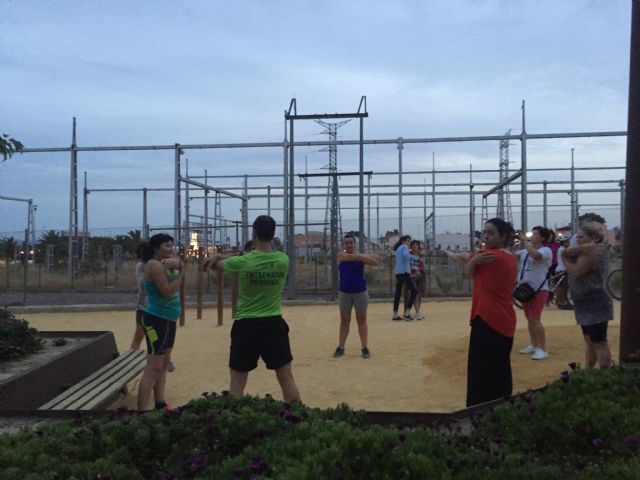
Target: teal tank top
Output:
[{"x": 157, "y": 305}]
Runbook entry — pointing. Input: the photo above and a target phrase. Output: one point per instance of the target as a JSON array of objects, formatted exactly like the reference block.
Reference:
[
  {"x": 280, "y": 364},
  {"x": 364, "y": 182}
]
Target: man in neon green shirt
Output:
[{"x": 259, "y": 329}]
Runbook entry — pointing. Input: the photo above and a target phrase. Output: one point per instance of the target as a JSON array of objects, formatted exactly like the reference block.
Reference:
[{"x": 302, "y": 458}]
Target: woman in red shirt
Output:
[{"x": 493, "y": 320}]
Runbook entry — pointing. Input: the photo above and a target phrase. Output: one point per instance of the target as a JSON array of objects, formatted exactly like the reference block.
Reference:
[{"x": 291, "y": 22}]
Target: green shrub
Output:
[
  {"x": 17, "y": 338},
  {"x": 585, "y": 426}
]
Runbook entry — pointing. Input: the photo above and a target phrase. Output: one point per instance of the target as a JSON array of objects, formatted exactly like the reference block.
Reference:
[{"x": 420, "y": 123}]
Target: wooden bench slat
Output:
[
  {"x": 124, "y": 370},
  {"x": 109, "y": 390},
  {"x": 130, "y": 363},
  {"x": 74, "y": 388},
  {"x": 111, "y": 384}
]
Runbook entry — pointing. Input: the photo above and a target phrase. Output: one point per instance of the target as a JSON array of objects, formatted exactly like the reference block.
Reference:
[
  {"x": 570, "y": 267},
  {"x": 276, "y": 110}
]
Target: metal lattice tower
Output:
[
  {"x": 503, "y": 209},
  {"x": 333, "y": 197}
]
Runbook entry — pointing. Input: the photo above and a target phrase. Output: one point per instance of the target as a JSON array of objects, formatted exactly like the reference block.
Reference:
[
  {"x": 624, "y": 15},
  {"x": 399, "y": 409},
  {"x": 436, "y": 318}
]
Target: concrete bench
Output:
[{"x": 102, "y": 387}]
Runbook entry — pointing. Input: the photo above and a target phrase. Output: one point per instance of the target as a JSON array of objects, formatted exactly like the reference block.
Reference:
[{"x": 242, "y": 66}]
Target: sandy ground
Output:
[{"x": 417, "y": 366}]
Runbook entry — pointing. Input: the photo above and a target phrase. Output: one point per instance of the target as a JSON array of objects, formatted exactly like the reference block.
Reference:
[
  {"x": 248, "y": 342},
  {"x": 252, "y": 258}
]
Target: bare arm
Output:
[
  {"x": 585, "y": 262},
  {"x": 479, "y": 259},
  {"x": 357, "y": 257},
  {"x": 533, "y": 252},
  {"x": 215, "y": 262},
  {"x": 154, "y": 272},
  {"x": 460, "y": 257}
]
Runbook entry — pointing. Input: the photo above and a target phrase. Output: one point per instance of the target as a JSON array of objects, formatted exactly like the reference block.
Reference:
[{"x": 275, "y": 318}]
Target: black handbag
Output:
[{"x": 524, "y": 292}]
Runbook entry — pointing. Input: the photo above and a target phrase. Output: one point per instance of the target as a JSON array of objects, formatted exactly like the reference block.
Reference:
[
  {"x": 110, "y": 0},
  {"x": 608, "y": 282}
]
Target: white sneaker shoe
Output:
[
  {"x": 528, "y": 349},
  {"x": 419, "y": 316},
  {"x": 539, "y": 354}
]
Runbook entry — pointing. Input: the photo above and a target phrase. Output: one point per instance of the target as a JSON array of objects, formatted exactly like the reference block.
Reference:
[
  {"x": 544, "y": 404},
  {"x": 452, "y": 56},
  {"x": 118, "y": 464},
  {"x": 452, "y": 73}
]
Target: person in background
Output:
[
  {"x": 403, "y": 277},
  {"x": 562, "y": 298},
  {"x": 493, "y": 321},
  {"x": 419, "y": 278},
  {"x": 141, "y": 302},
  {"x": 535, "y": 260},
  {"x": 550, "y": 242},
  {"x": 589, "y": 217},
  {"x": 161, "y": 284},
  {"x": 353, "y": 294},
  {"x": 586, "y": 265}
]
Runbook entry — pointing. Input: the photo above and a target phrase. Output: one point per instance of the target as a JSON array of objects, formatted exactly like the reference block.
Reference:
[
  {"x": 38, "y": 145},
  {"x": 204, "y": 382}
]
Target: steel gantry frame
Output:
[{"x": 288, "y": 146}]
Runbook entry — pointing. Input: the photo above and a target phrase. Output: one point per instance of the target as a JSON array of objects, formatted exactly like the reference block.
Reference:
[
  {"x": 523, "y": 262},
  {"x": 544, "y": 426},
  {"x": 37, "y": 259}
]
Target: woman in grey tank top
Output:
[{"x": 586, "y": 265}]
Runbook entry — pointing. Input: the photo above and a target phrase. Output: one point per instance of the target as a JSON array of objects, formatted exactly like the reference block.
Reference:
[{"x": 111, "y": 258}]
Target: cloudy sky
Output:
[{"x": 192, "y": 72}]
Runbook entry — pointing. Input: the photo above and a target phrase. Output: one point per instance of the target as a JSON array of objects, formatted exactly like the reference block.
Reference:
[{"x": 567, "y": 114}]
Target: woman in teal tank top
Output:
[{"x": 159, "y": 320}]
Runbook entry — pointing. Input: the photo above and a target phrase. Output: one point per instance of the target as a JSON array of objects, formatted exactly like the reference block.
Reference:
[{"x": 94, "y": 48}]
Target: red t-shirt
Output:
[{"x": 492, "y": 289}]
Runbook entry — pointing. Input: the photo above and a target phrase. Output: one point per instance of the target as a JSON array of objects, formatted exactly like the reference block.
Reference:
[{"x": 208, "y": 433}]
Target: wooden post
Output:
[
  {"x": 220, "y": 286},
  {"x": 200, "y": 283}
]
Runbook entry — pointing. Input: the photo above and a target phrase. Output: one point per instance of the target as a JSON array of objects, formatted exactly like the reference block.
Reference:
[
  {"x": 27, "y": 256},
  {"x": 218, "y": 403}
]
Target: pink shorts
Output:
[{"x": 533, "y": 309}]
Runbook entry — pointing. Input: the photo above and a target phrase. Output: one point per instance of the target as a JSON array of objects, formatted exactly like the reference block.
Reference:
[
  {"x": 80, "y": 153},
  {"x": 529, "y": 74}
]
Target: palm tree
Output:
[
  {"x": 8, "y": 249},
  {"x": 9, "y": 146}
]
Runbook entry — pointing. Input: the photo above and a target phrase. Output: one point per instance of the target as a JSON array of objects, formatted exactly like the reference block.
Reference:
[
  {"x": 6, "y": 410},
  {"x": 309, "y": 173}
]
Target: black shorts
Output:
[
  {"x": 159, "y": 333},
  {"x": 139, "y": 315},
  {"x": 266, "y": 337},
  {"x": 596, "y": 333}
]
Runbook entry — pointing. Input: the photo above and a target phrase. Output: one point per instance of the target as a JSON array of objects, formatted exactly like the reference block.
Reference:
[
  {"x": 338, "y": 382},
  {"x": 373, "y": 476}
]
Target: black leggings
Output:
[
  {"x": 489, "y": 364},
  {"x": 401, "y": 279}
]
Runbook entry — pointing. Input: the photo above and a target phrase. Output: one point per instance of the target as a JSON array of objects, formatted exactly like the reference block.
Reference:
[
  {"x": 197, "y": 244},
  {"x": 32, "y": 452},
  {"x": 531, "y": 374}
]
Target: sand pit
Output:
[{"x": 417, "y": 366}]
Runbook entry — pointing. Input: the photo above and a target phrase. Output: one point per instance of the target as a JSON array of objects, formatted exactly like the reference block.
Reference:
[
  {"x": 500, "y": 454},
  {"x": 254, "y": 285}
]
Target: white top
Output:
[
  {"x": 560, "y": 267},
  {"x": 535, "y": 271}
]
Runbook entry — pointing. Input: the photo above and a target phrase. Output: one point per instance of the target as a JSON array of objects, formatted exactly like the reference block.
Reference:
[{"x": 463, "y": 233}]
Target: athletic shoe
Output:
[
  {"x": 338, "y": 353},
  {"x": 162, "y": 405},
  {"x": 419, "y": 316},
  {"x": 528, "y": 349},
  {"x": 539, "y": 354},
  {"x": 396, "y": 317},
  {"x": 365, "y": 352},
  {"x": 408, "y": 317},
  {"x": 565, "y": 306},
  {"x": 171, "y": 367}
]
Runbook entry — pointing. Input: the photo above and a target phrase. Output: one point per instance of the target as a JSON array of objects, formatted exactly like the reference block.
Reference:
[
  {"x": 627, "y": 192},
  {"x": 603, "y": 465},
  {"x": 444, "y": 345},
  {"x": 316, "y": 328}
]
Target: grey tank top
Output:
[{"x": 592, "y": 302}]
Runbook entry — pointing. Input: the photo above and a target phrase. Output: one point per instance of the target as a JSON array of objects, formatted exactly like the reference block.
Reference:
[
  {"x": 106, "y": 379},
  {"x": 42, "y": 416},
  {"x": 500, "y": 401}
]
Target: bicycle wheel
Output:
[{"x": 614, "y": 284}]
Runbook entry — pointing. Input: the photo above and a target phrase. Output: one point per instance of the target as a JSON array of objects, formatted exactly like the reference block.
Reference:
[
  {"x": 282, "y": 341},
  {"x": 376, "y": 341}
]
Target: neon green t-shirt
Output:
[{"x": 261, "y": 276}]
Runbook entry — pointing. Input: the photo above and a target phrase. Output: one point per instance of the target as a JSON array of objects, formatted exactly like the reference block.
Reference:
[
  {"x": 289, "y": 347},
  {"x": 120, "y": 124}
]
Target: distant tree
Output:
[
  {"x": 9, "y": 146},
  {"x": 8, "y": 250}
]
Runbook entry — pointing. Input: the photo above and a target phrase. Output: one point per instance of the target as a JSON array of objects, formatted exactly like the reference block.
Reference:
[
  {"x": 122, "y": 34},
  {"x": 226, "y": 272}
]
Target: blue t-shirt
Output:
[
  {"x": 352, "y": 277},
  {"x": 403, "y": 259}
]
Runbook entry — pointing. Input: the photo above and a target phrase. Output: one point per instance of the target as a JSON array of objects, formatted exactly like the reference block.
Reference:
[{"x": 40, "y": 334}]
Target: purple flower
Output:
[
  {"x": 532, "y": 409},
  {"x": 581, "y": 464},
  {"x": 631, "y": 441},
  {"x": 199, "y": 462},
  {"x": 597, "y": 442},
  {"x": 258, "y": 465},
  {"x": 238, "y": 472},
  {"x": 564, "y": 376}
]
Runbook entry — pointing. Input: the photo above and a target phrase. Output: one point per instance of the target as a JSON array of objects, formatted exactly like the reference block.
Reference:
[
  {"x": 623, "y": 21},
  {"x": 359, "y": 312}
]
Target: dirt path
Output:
[{"x": 414, "y": 366}]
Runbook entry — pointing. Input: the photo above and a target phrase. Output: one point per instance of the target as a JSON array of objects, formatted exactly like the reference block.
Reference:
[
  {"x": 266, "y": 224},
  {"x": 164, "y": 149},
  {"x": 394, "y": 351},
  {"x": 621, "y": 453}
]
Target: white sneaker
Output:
[
  {"x": 539, "y": 354},
  {"x": 528, "y": 349},
  {"x": 419, "y": 316}
]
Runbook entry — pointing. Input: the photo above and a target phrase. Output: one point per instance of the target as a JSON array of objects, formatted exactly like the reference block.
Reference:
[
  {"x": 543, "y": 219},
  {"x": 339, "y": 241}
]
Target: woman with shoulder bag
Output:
[{"x": 535, "y": 260}]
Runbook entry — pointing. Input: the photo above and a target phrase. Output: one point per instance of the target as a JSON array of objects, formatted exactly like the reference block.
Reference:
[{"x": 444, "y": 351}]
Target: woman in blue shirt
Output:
[{"x": 403, "y": 276}]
